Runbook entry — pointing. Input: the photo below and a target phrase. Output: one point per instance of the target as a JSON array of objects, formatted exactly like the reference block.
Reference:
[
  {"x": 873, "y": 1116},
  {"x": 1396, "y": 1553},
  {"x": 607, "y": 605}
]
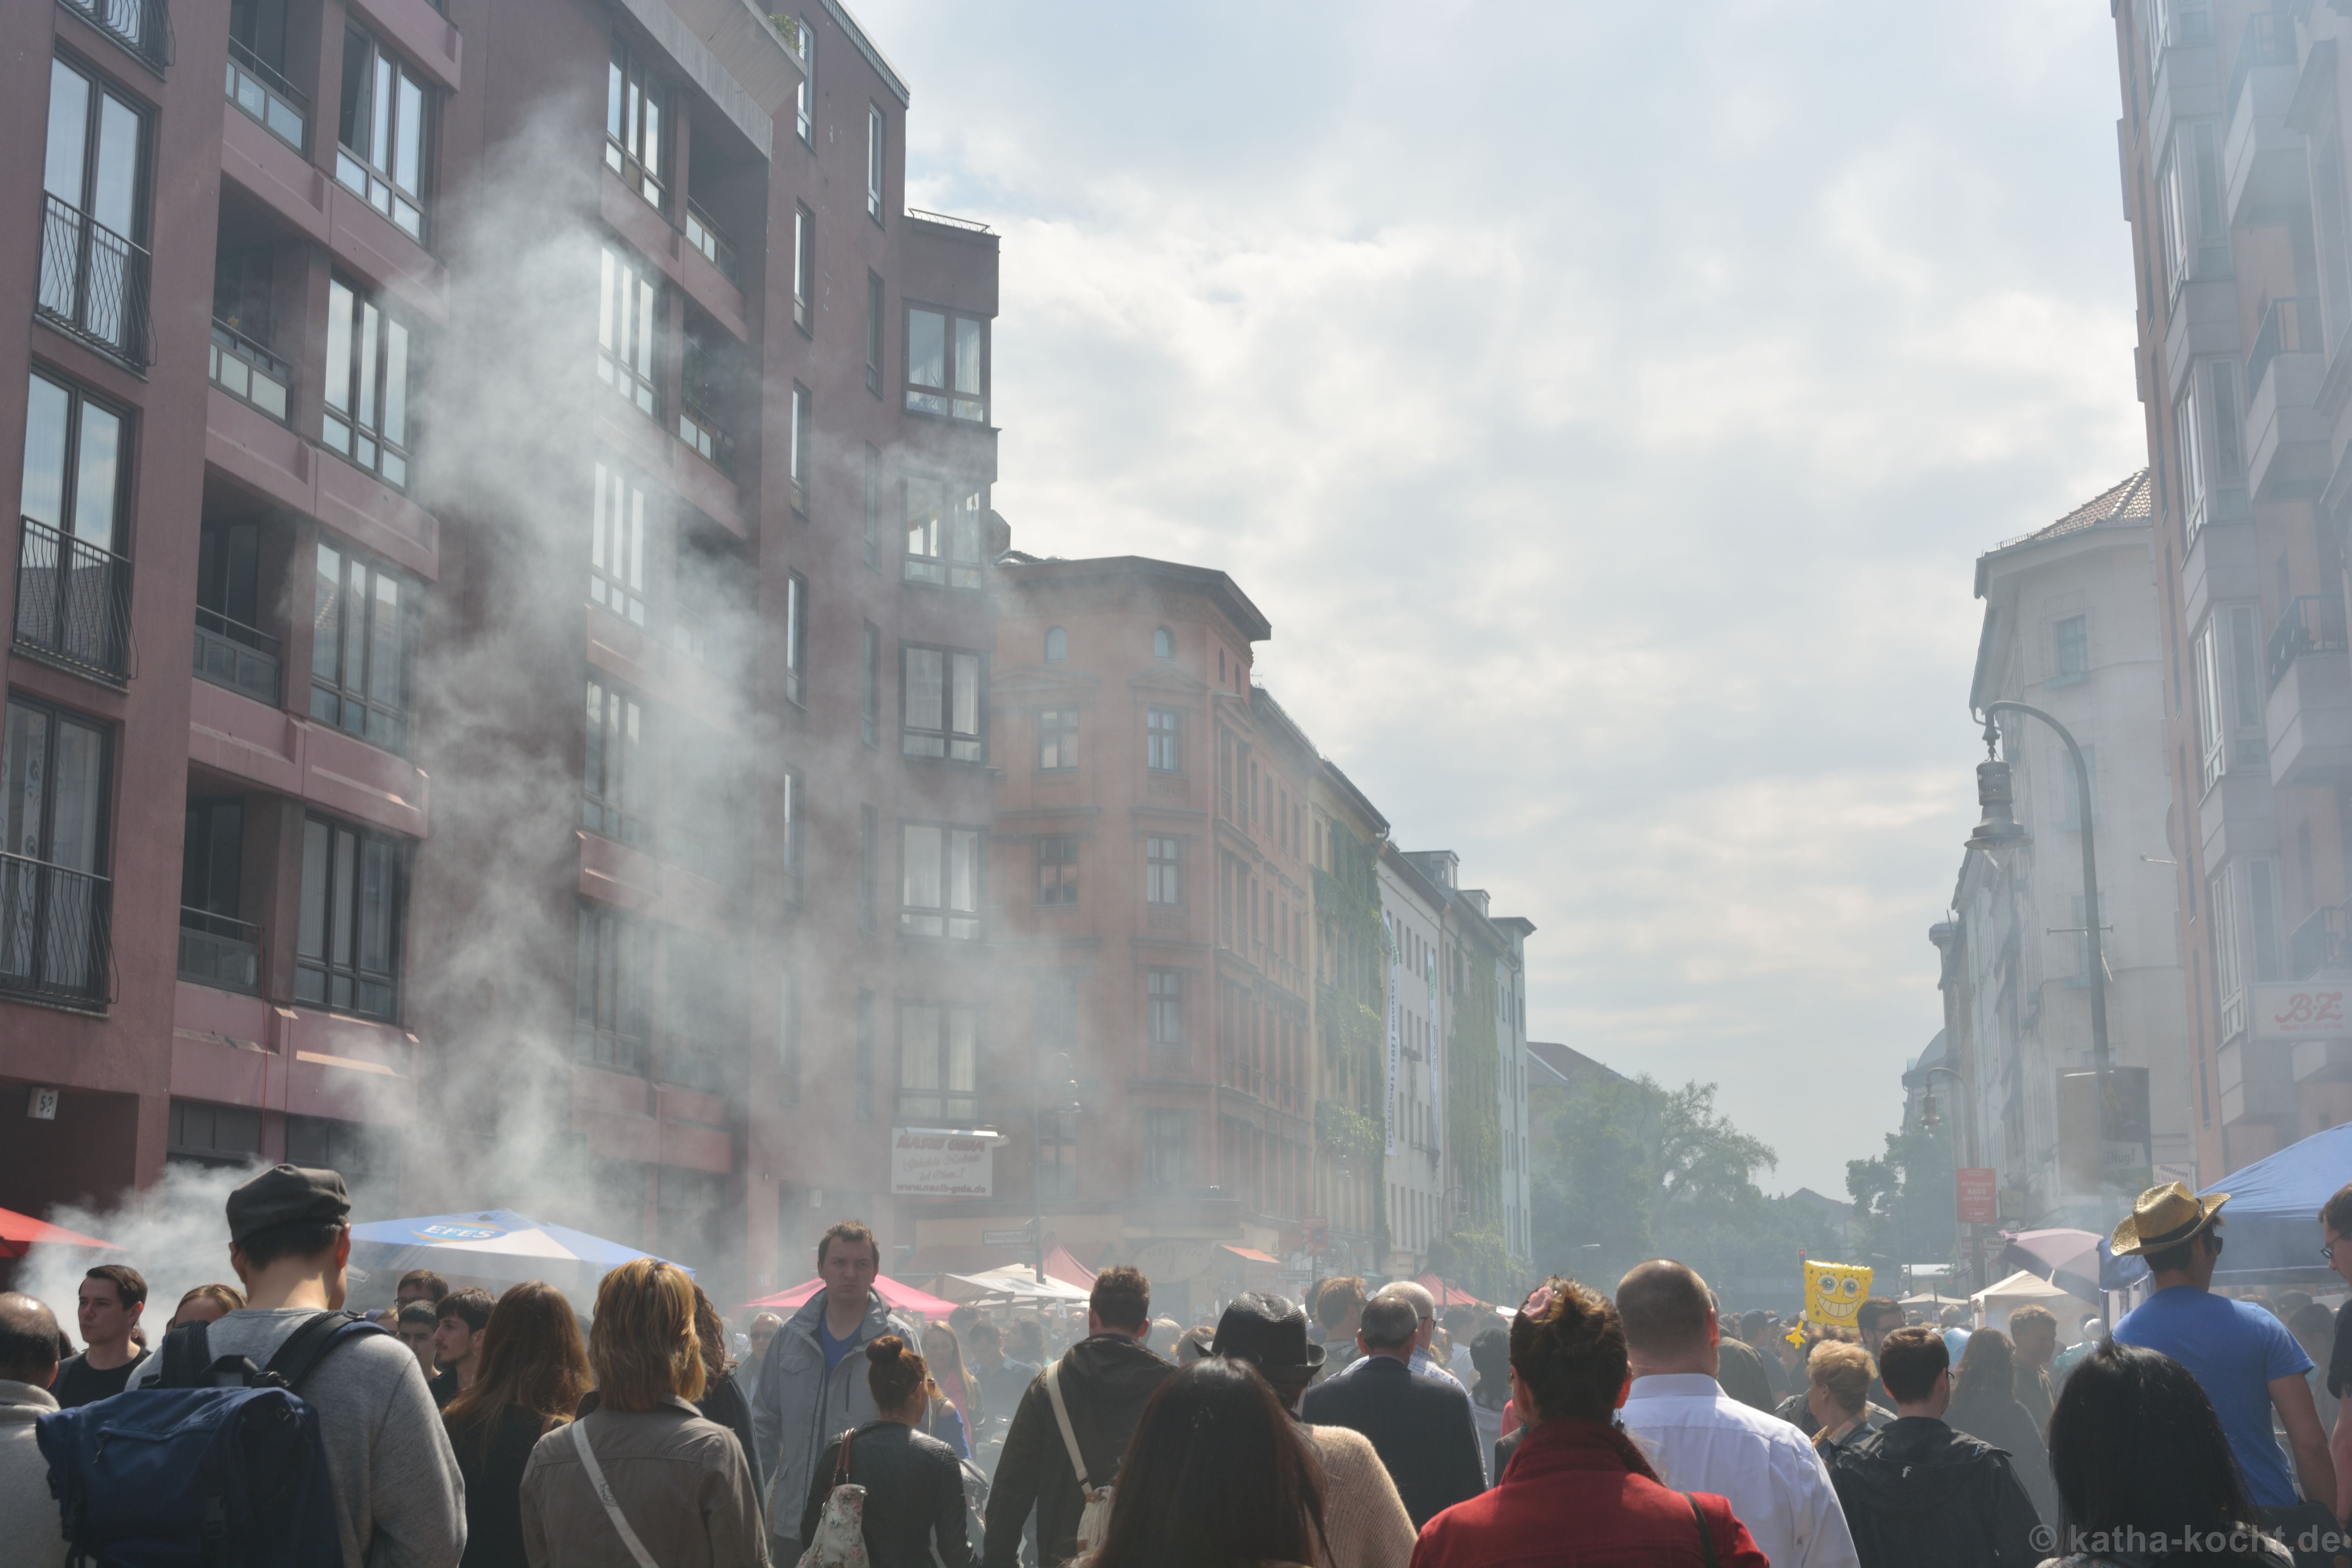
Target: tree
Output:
[{"x": 1906, "y": 1200}]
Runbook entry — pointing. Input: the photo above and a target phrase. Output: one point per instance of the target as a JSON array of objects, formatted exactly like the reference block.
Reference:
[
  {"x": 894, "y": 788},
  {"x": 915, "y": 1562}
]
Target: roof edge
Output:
[{"x": 866, "y": 45}]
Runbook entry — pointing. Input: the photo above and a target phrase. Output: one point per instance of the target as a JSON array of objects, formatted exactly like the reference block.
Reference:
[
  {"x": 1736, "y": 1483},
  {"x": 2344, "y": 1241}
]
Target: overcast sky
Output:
[{"x": 1606, "y": 405}]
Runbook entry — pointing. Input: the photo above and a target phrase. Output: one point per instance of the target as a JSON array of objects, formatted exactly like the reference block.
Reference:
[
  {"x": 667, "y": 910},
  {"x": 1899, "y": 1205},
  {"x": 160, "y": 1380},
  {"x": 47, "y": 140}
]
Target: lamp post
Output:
[{"x": 1069, "y": 1107}]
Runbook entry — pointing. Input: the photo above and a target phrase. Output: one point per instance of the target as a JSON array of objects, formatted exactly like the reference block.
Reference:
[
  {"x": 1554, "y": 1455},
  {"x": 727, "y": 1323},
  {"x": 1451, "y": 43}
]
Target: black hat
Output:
[
  {"x": 287, "y": 1194},
  {"x": 1270, "y": 1333}
]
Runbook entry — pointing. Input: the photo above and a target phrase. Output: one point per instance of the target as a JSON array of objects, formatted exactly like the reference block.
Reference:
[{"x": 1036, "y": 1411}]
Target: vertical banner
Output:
[
  {"x": 1396, "y": 1021},
  {"x": 1436, "y": 1038}
]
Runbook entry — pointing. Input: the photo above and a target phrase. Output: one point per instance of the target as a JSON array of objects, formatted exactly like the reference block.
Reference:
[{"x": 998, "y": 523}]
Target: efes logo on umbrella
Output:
[
  {"x": 444, "y": 1230},
  {"x": 1834, "y": 1292}
]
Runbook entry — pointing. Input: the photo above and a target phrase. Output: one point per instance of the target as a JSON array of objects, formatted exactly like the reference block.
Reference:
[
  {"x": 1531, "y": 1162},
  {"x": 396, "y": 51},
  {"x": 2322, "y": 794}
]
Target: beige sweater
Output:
[{"x": 1364, "y": 1521}]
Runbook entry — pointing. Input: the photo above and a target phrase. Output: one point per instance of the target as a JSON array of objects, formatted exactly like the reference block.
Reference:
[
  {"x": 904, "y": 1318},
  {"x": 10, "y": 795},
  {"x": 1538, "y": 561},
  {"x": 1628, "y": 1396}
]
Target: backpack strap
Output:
[
  {"x": 187, "y": 1357},
  {"x": 1705, "y": 1536},
  {"x": 1062, "y": 1419},
  {"x": 308, "y": 1345}
]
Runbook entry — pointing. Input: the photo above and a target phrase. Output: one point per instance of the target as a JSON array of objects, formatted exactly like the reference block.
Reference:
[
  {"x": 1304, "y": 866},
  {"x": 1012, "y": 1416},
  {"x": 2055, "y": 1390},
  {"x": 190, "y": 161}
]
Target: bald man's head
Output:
[
  {"x": 29, "y": 1340},
  {"x": 1664, "y": 1306}
]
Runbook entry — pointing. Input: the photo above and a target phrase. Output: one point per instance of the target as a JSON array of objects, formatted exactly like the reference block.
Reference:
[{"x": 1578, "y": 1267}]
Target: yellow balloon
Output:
[{"x": 1834, "y": 1294}]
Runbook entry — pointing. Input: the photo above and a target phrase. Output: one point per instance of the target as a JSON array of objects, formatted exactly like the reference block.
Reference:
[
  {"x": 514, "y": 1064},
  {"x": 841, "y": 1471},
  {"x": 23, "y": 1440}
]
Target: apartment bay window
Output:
[
  {"x": 1057, "y": 739},
  {"x": 629, "y": 319},
  {"x": 56, "y": 899},
  {"x": 94, "y": 261},
  {"x": 875, "y": 133},
  {"x": 804, "y": 269},
  {"x": 2212, "y": 444},
  {"x": 2188, "y": 204},
  {"x": 385, "y": 134},
  {"x": 633, "y": 100},
  {"x": 947, "y": 364},
  {"x": 1163, "y": 740},
  {"x": 364, "y": 636},
  {"x": 1057, "y": 868},
  {"x": 616, "y": 793},
  {"x": 802, "y": 448},
  {"x": 941, "y": 703},
  {"x": 1163, "y": 871},
  {"x": 944, "y": 532},
  {"x": 616, "y": 549},
  {"x": 612, "y": 970},
  {"x": 73, "y": 579},
  {"x": 939, "y": 1063},
  {"x": 366, "y": 382},
  {"x": 795, "y": 638},
  {"x": 2247, "y": 949},
  {"x": 2229, "y": 693},
  {"x": 347, "y": 942},
  {"x": 939, "y": 880}
]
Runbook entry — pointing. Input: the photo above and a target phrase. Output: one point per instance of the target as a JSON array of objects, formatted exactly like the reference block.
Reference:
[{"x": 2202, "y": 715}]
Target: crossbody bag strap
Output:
[
  {"x": 1062, "y": 1419},
  {"x": 1705, "y": 1536},
  {"x": 605, "y": 1495}
]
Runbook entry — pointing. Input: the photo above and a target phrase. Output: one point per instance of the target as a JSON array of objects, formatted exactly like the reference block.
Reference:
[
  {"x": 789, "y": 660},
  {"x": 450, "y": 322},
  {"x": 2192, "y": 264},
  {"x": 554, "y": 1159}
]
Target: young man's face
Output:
[
  {"x": 1874, "y": 1331},
  {"x": 418, "y": 1337},
  {"x": 849, "y": 1269},
  {"x": 454, "y": 1341},
  {"x": 101, "y": 1314},
  {"x": 2037, "y": 1344}
]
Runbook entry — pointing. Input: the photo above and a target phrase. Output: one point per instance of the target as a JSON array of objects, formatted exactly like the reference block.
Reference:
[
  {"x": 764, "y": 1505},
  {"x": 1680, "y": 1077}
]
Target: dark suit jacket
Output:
[{"x": 1421, "y": 1425}]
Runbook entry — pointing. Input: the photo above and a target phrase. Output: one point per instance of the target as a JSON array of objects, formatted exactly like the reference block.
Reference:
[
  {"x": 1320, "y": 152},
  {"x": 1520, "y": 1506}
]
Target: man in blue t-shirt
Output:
[{"x": 2241, "y": 1356}]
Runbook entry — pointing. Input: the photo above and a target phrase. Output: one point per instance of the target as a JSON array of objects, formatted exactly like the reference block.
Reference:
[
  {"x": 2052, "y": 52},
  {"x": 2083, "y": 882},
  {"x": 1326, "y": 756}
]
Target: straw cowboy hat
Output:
[{"x": 2164, "y": 1216}]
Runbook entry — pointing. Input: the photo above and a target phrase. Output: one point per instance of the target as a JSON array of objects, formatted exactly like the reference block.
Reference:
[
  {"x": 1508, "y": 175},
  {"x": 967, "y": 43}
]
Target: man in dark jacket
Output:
[
  {"x": 1104, "y": 1380},
  {"x": 1421, "y": 1424},
  {"x": 1918, "y": 1494}
]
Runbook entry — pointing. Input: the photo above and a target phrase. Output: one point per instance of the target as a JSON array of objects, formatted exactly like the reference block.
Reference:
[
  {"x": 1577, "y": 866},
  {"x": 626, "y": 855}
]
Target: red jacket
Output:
[{"x": 1579, "y": 1495}]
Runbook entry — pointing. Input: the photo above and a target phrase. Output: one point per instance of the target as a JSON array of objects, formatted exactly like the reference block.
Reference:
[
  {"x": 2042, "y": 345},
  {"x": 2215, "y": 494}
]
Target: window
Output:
[
  {"x": 2070, "y": 801},
  {"x": 230, "y": 649},
  {"x": 2212, "y": 456},
  {"x": 363, "y": 628},
  {"x": 2188, "y": 202},
  {"x": 347, "y": 947},
  {"x": 2229, "y": 693},
  {"x": 939, "y": 874},
  {"x": 795, "y": 638},
  {"x": 869, "y": 852},
  {"x": 804, "y": 269},
  {"x": 2073, "y": 647},
  {"x": 1164, "y": 997},
  {"x": 943, "y": 532},
  {"x": 73, "y": 586},
  {"x": 795, "y": 836},
  {"x": 708, "y": 372},
  {"x": 1163, "y": 742},
  {"x": 615, "y": 793},
  {"x": 1163, "y": 643},
  {"x": 869, "y": 707},
  {"x": 257, "y": 70},
  {"x": 874, "y": 333},
  {"x": 939, "y": 703},
  {"x": 873, "y": 526},
  {"x": 1163, "y": 871},
  {"x": 609, "y": 994},
  {"x": 938, "y": 1064},
  {"x": 804, "y": 45},
  {"x": 1057, "y": 1154},
  {"x": 1167, "y": 1164},
  {"x": 797, "y": 466},
  {"x": 1057, "y": 868},
  {"x": 947, "y": 370},
  {"x": 616, "y": 552},
  {"x": 788, "y": 1036},
  {"x": 55, "y": 899},
  {"x": 1057, "y": 739},
  {"x": 1057, "y": 646},
  {"x": 2246, "y": 948},
  {"x": 383, "y": 132},
  {"x": 627, "y": 318},
  {"x": 367, "y": 384},
  {"x": 865, "y": 1055},
  {"x": 93, "y": 263},
  {"x": 874, "y": 134},
  {"x": 704, "y": 818},
  {"x": 634, "y": 98}
]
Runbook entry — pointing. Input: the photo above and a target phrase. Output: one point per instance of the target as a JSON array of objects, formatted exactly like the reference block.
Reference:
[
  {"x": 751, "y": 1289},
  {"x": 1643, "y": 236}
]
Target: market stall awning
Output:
[
  {"x": 492, "y": 1243},
  {"x": 1249, "y": 1253},
  {"x": 20, "y": 1233},
  {"x": 1012, "y": 1283},
  {"x": 1449, "y": 1294},
  {"x": 2077, "y": 1261},
  {"x": 2273, "y": 1218},
  {"x": 905, "y": 1298}
]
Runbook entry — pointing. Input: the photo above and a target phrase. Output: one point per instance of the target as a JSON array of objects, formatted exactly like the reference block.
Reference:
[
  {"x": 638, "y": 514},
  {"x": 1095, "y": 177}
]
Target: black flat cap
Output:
[
  {"x": 1271, "y": 1332},
  {"x": 285, "y": 1194}
]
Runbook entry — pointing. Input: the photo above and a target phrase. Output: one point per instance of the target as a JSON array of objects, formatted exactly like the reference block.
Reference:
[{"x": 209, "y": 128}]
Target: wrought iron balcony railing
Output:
[
  {"x": 2312, "y": 624},
  {"x": 54, "y": 931},
  {"x": 94, "y": 282},
  {"x": 73, "y": 601},
  {"x": 142, "y": 26}
]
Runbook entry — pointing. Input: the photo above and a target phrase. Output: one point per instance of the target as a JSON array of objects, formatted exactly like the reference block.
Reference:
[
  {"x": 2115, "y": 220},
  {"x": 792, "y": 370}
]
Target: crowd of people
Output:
[{"x": 462, "y": 1429}]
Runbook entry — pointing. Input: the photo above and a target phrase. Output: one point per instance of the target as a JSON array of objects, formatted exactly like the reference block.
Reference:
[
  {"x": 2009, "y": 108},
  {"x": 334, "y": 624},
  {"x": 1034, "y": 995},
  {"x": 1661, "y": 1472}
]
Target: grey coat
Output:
[
  {"x": 798, "y": 1409},
  {"x": 29, "y": 1521}
]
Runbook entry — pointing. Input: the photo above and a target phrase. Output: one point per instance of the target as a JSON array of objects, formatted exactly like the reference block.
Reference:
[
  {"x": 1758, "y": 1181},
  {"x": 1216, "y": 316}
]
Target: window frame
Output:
[
  {"x": 794, "y": 849},
  {"x": 796, "y": 639},
  {"x": 954, "y": 745},
  {"x": 325, "y": 964},
  {"x": 803, "y": 270},
  {"x": 631, "y": 315},
  {"x": 637, "y": 97},
  {"x": 1163, "y": 645},
  {"x": 947, "y": 398},
  {"x": 78, "y": 312},
  {"x": 2070, "y": 648},
  {"x": 950, "y": 1104},
  {"x": 1164, "y": 1008},
  {"x": 620, "y": 532},
  {"x": 612, "y": 959},
  {"x": 1163, "y": 742},
  {"x": 1163, "y": 871},
  {"x": 875, "y": 334},
  {"x": 616, "y": 785},
  {"x": 796, "y": 466},
  {"x": 360, "y": 420},
  {"x": 1057, "y": 739},
  {"x": 1057, "y": 870},
  {"x": 877, "y": 130},
  {"x": 379, "y": 183},
  {"x": 954, "y": 533},
  {"x": 381, "y": 720},
  {"x": 946, "y": 921},
  {"x": 869, "y": 705}
]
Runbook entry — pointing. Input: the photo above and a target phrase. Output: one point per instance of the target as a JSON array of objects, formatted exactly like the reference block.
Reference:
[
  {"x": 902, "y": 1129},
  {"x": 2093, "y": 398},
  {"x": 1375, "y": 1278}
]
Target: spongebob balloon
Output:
[{"x": 1834, "y": 1294}]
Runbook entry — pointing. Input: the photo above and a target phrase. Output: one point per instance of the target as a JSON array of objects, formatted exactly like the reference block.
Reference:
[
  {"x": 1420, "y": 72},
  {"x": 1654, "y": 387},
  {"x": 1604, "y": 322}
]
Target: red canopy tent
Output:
[
  {"x": 20, "y": 1232},
  {"x": 1450, "y": 1295},
  {"x": 906, "y": 1298},
  {"x": 1060, "y": 1265}
]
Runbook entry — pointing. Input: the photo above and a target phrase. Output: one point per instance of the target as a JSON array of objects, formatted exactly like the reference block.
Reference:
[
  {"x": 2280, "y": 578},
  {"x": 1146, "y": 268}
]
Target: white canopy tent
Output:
[
  {"x": 1012, "y": 1283},
  {"x": 1996, "y": 1301}
]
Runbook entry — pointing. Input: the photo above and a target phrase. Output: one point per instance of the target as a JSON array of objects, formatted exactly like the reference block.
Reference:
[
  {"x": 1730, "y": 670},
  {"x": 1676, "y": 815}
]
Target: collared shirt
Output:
[
  {"x": 1702, "y": 1439},
  {"x": 1421, "y": 1361}
]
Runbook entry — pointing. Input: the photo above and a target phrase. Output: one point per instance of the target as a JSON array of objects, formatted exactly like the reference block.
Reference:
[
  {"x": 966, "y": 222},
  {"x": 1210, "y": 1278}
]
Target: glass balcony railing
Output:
[
  {"x": 268, "y": 97},
  {"x": 219, "y": 951},
  {"x": 244, "y": 370},
  {"x": 705, "y": 238},
  {"x": 241, "y": 657},
  {"x": 702, "y": 432}
]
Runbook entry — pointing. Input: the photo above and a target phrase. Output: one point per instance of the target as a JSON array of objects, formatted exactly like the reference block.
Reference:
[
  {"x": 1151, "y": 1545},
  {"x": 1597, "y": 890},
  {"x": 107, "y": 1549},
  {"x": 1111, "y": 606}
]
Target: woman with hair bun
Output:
[
  {"x": 1576, "y": 1486},
  {"x": 914, "y": 1485}
]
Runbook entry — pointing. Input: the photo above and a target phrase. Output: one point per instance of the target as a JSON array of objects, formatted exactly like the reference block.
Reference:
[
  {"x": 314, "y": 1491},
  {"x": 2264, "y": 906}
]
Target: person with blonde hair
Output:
[
  {"x": 207, "y": 1304},
  {"x": 529, "y": 1373},
  {"x": 642, "y": 1476},
  {"x": 1840, "y": 1376}
]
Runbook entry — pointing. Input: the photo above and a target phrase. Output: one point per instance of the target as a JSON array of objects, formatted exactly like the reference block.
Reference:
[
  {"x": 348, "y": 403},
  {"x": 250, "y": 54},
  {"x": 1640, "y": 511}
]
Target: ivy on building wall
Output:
[
  {"x": 1474, "y": 1118},
  {"x": 1351, "y": 1005}
]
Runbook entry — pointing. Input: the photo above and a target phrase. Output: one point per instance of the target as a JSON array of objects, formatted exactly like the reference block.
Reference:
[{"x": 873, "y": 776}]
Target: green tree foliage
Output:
[
  {"x": 1624, "y": 1170},
  {"x": 1905, "y": 1200}
]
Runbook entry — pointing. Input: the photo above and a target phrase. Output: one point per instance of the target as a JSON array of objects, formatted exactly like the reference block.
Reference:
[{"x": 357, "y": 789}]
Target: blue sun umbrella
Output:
[{"x": 490, "y": 1244}]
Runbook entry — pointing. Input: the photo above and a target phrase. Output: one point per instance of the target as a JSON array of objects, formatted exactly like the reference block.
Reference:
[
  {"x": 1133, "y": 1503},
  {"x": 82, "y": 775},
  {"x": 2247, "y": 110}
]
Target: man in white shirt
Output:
[
  {"x": 1424, "y": 1308},
  {"x": 1702, "y": 1439}
]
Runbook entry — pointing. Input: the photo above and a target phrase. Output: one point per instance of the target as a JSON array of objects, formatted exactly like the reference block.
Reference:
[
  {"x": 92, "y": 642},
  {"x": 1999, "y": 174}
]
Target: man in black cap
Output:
[
  {"x": 1364, "y": 1517},
  {"x": 396, "y": 1478}
]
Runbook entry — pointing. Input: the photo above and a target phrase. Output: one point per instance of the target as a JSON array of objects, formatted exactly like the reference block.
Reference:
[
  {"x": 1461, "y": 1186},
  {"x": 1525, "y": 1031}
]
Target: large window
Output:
[
  {"x": 1163, "y": 740},
  {"x": 940, "y": 877},
  {"x": 93, "y": 262},
  {"x": 2231, "y": 728},
  {"x": 1057, "y": 868},
  {"x": 611, "y": 964},
  {"x": 795, "y": 638},
  {"x": 616, "y": 793},
  {"x": 804, "y": 45},
  {"x": 633, "y": 100},
  {"x": 2073, "y": 640},
  {"x": 869, "y": 705},
  {"x": 73, "y": 585},
  {"x": 628, "y": 316},
  {"x": 1167, "y": 1158},
  {"x": 937, "y": 1063},
  {"x": 385, "y": 132},
  {"x": 1057, "y": 739},
  {"x": 364, "y": 629},
  {"x": 804, "y": 269},
  {"x": 2189, "y": 201},
  {"x": 2212, "y": 444},
  {"x": 1164, "y": 995},
  {"x": 874, "y": 333},
  {"x": 795, "y": 835},
  {"x": 55, "y": 899},
  {"x": 2246, "y": 948},
  {"x": 367, "y": 383},
  {"x": 1163, "y": 871},
  {"x": 941, "y": 703},
  {"x": 616, "y": 549},
  {"x": 347, "y": 947},
  {"x": 943, "y": 531},
  {"x": 874, "y": 131},
  {"x": 802, "y": 448},
  {"x": 873, "y": 520},
  {"x": 947, "y": 364}
]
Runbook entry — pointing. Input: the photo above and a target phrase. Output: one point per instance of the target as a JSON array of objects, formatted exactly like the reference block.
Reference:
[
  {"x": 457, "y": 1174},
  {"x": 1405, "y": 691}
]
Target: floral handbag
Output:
[{"x": 840, "y": 1540}]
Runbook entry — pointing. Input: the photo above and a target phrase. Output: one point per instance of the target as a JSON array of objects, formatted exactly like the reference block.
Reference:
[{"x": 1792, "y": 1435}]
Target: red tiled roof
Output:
[{"x": 2131, "y": 501}]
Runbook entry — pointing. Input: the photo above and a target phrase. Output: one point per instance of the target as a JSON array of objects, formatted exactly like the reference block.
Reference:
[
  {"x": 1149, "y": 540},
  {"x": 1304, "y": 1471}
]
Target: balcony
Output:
[
  {"x": 141, "y": 26},
  {"x": 274, "y": 103},
  {"x": 94, "y": 283},
  {"x": 701, "y": 432},
  {"x": 2286, "y": 437},
  {"x": 705, "y": 238},
  {"x": 218, "y": 951},
  {"x": 2264, "y": 178},
  {"x": 243, "y": 658},
  {"x": 2309, "y": 714},
  {"x": 2319, "y": 946},
  {"x": 73, "y": 602},
  {"x": 54, "y": 941},
  {"x": 244, "y": 370}
]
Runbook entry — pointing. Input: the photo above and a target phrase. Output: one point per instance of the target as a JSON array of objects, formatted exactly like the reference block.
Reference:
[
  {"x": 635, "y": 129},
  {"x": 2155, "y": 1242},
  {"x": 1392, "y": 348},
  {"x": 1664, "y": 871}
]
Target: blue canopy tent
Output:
[
  {"x": 492, "y": 1244},
  {"x": 2270, "y": 1228}
]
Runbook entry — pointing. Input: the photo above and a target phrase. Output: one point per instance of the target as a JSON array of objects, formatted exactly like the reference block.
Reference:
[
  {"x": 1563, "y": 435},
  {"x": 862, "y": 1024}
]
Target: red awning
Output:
[
  {"x": 1060, "y": 1265},
  {"x": 1449, "y": 1295},
  {"x": 906, "y": 1298},
  {"x": 1249, "y": 1253},
  {"x": 20, "y": 1232}
]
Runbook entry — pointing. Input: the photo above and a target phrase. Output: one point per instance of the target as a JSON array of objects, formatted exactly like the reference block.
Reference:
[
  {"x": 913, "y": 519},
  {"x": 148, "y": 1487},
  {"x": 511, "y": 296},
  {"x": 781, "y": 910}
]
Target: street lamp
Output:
[{"x": 1069, "y": 1107}]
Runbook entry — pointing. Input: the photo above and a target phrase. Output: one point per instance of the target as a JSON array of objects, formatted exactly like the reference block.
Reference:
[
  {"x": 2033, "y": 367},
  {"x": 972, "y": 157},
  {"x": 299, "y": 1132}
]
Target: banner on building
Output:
[
  {"x": 939, "y": 1162},
  {"x": 1396, "y": 1021},
  {"x": 2301, "y": 1011},
  {"x": 1436, "y": 1034},
  {"x": 1979, "y": 1189}
]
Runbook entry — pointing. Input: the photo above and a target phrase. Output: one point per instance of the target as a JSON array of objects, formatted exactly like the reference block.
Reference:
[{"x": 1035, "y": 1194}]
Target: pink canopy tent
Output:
[
  {"x": 906, "y": 1298},
  {"x": 1449, "y": 1295},
  {"x": 20, "y": 1233}
]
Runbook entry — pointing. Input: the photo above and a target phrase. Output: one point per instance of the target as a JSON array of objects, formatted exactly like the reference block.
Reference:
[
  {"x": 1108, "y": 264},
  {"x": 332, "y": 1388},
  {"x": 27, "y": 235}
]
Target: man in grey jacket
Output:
[
  {"x": 812, "y": 1379},
  {"x": 29, "y": 1522}
]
